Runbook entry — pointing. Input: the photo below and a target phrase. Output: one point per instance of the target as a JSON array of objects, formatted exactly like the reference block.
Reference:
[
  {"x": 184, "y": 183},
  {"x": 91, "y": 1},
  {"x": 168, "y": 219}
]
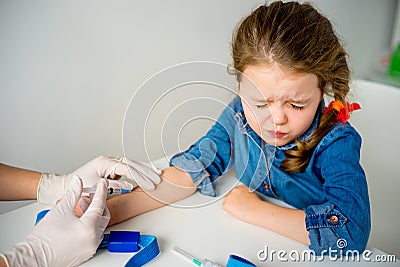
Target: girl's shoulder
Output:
[
  {"x": 340, "y": 131},
  {"x": 236, "y": 104},
  {"x": 233, "y": 110}
]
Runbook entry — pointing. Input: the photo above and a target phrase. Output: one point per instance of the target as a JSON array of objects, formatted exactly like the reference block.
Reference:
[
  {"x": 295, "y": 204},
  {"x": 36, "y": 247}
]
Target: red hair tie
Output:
[{"x": 344, "y": 109}]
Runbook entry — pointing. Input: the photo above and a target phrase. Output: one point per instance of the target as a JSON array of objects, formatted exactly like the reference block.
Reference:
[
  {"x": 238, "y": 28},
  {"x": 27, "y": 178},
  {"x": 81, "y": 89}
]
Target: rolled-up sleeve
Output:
[
  {"x": 342, "y": 222},
  {"x": 210, "y": 156}
]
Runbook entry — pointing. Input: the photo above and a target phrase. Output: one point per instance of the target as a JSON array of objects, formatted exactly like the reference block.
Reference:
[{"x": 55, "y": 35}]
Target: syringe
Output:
[
  {"x": 110, "y": 190},
  {"x": 197, "y": 262}
]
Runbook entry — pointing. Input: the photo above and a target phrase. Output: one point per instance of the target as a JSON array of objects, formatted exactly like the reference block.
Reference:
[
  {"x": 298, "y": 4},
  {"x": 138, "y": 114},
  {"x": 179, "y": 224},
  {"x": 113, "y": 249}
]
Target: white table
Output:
[{"x": 205, "y": 232}]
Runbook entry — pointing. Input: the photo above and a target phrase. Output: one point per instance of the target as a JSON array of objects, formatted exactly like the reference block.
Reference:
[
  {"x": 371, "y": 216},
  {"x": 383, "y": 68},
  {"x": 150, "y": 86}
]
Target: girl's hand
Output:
[{"x": 242, "y": 203}]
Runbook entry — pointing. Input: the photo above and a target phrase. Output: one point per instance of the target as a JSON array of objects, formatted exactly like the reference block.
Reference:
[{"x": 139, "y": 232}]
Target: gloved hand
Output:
[
  {"x": 61, "y": 238},
  {"x": 52, "y": 186}
]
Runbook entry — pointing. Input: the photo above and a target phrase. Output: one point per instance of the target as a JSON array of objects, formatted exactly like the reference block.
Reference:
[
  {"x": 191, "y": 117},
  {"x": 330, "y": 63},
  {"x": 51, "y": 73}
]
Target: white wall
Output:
[
  {"x": 396, "y": 28},
  {"x": 365, "y": 27},
  {"x": 379, "y": 158},
  {"x": 68, "y": 69}
]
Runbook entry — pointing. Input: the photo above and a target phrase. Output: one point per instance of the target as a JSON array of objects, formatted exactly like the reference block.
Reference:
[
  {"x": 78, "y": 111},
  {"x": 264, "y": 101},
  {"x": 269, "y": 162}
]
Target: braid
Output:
[{"x": 297, "y": 158}]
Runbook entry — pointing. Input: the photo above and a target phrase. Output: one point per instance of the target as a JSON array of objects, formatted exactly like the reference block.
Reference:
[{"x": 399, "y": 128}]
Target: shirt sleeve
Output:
[
  {"x": 210, "y": 156},
  {"x": 342, "y": 222}
]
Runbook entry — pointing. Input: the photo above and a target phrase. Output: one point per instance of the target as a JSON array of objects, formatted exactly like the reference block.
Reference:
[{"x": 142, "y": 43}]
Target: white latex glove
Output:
[
  {"x": 52, "y": 186},
  {"x": 61, "y": 238}
]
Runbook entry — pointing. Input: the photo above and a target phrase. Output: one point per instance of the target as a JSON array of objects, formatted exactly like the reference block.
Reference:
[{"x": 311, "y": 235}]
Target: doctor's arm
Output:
[
  {"x": 47, "y": 188},
  {"x": 17, "y": 183}
]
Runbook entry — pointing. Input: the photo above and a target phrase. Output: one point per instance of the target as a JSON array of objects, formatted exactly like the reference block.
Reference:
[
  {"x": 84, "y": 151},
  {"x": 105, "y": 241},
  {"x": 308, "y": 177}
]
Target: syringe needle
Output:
[
  {"x": 187, "y": 256},
  {"x": 197, "y": 262}
]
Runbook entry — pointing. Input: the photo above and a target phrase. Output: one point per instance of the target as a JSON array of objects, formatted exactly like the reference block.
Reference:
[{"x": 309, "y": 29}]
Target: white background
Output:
[{"x": 69, "y": 68}]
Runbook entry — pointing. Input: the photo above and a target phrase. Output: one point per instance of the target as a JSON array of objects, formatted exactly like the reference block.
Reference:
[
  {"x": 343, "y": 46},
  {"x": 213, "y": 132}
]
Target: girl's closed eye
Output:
[
  {"x": 262, "y": 106},
  {"x": 296, "y": 107}
]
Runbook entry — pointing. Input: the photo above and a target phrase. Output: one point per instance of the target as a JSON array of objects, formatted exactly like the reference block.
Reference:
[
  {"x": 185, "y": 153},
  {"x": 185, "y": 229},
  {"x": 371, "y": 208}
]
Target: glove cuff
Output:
[
  {"x": 51, "y": 188},
  {"x": 22, "y": 255},
  {"x": 5, "y": 259}
]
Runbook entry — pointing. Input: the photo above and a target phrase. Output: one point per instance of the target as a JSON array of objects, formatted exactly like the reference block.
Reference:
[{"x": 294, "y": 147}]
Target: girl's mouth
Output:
[{"x": 276, "y": 134}]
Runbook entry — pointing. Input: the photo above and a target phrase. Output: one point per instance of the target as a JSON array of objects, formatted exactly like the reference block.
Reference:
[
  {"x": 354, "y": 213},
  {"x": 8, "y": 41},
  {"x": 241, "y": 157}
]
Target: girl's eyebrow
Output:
[
  {"x": 260, "y": 100},
  {"x": 298, "y": 101},
  {"x": 292, "y": 100},
  {"x": 254, "y": 98}
]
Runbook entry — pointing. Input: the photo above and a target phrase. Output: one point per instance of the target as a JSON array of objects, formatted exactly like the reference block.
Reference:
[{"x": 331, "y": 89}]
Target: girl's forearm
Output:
[
  {"x": 285, "y": 221},
  {"x": 175, "y": 185},
  {"x": 247, "y": 206}
]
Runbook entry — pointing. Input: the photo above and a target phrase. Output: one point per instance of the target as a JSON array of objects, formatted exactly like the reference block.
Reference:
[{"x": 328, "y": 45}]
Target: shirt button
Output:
[
  {"x": 333, "y": 219},
  {"x": 266, "y": 186}
]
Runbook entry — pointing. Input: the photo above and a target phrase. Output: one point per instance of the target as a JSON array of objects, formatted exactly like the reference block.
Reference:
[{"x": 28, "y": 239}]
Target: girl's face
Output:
[{"x": 279, "y": 105}]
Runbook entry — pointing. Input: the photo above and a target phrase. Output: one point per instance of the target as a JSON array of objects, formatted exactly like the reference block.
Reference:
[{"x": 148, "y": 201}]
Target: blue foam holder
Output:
[
  {"x": 123, "y": 241},
  {"x": 41, "y": 215},
  {"x": 237, "y": 261}
]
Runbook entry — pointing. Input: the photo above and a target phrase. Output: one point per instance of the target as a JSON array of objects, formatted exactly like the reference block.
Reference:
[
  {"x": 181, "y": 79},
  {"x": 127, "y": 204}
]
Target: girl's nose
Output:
[{"x": 278, "y": 115}]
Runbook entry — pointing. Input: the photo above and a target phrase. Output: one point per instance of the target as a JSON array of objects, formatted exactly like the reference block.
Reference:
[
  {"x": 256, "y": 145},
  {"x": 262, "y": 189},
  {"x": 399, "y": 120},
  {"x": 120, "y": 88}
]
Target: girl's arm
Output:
[
  {"x": 248, "y": 207},
  {"x": 175, "y": 185},
  {"x": 18, "y": 184}
]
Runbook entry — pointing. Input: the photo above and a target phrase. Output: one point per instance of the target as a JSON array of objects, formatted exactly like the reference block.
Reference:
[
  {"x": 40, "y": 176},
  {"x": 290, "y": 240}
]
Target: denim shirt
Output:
[{"x": 332, "y": 190}]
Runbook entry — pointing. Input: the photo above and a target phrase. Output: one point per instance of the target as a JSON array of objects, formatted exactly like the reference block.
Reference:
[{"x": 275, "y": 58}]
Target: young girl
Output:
[{"x": 279, "y": 136}]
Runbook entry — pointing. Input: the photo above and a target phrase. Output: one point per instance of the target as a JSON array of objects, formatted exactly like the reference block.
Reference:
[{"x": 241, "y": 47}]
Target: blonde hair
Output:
[{"x": 300, "y": 39}]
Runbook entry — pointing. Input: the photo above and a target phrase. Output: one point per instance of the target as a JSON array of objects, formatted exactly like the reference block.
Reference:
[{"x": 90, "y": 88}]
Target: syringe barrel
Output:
[{"x": 208, "y": 263}]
